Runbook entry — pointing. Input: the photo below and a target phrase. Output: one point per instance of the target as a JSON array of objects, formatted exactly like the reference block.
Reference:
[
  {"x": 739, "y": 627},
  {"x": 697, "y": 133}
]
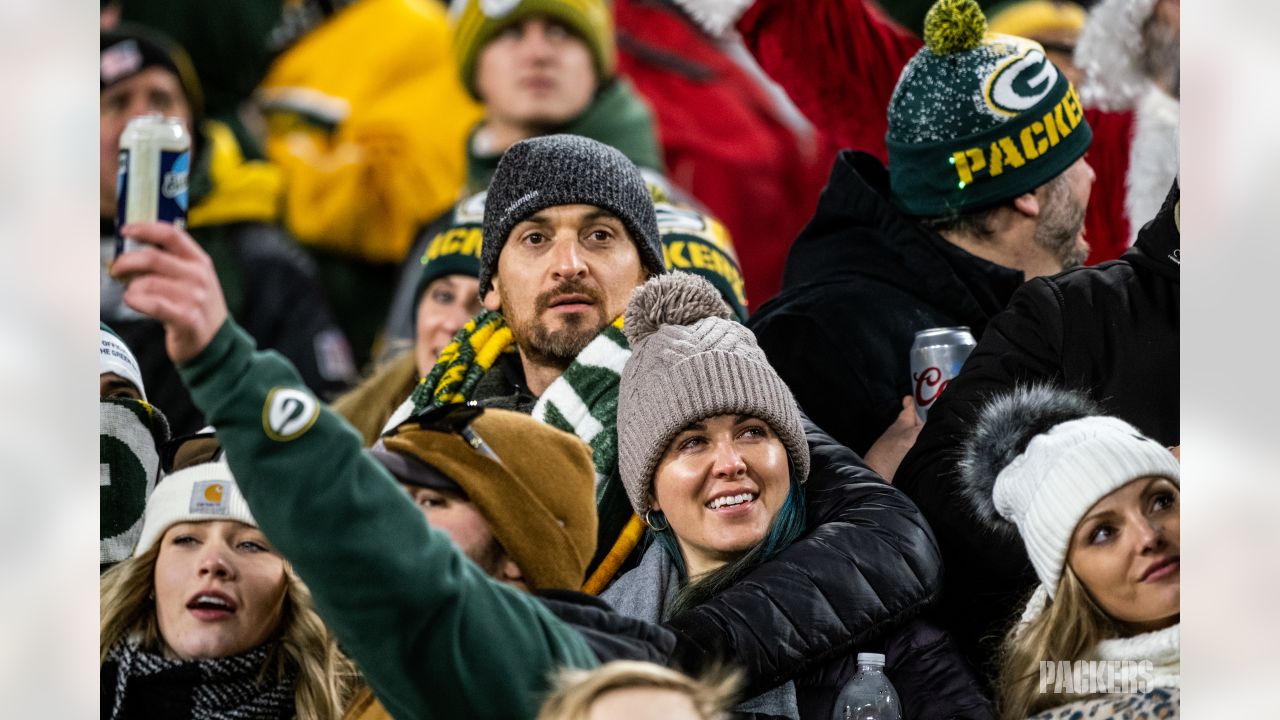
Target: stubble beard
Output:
[
  {"x": 1061, "y": 225},
  {"x": 558, "y": 348}
]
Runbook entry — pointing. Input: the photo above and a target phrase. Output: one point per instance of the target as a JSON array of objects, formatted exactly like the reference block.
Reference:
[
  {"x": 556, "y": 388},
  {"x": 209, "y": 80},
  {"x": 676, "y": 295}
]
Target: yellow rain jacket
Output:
[{"x": 369, "y": 121}]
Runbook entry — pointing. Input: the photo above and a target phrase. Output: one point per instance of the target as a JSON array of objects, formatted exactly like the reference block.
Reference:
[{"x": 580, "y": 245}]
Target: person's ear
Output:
[
  {"x": 493, "y": 299},
  {"x": 509, "y": 572},
  {"x": 1027, "y": 204},
  {"x": 653, "y": 502}
]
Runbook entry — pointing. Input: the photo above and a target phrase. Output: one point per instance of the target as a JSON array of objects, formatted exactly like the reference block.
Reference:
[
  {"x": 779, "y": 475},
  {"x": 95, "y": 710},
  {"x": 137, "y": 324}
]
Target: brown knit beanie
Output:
[
  {"x": 539, "y": 501},
  {"x": 689, "y": 362}
]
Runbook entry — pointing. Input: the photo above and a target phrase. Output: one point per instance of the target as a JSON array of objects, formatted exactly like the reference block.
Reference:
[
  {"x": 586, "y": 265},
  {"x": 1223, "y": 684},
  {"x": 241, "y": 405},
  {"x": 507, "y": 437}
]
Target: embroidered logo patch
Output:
[
  {"x": 288, "y": 413},
  {"x": 209, "y": 497},
  {"x": 1021, "y": 82}
]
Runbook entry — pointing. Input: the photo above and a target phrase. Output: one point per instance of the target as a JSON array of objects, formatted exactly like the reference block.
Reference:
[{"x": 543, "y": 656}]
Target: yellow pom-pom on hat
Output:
[{"x": 953, "y": 26}]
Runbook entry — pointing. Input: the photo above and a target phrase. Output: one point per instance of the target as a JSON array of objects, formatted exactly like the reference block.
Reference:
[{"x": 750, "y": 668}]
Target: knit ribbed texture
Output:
[
  {"x": 114, "y": 356},
  {"x": 680, "y": 374},
  {"x": 195, "y": 494},
  {"x": 1047, "y": 490},
  {"x": 975, "y": 120},
  {"x": 476, "y": 22},
  {"x": 554, "y": 170}
]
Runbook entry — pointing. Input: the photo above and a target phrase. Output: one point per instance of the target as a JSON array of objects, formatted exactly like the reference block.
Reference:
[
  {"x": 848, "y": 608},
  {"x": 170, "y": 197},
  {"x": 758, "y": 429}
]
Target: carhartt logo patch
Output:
[
  {"x": 288, "y": 413},
  {"x": 1018, "y": 84},
  {"x": 209, "y": 497}
]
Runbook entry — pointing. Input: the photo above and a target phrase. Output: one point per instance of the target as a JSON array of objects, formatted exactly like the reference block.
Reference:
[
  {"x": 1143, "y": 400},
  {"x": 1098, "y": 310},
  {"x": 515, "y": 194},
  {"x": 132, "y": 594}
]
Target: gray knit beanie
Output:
[
  {"x": 551, "y": 170},
  {"x": 690, "y": 361}
]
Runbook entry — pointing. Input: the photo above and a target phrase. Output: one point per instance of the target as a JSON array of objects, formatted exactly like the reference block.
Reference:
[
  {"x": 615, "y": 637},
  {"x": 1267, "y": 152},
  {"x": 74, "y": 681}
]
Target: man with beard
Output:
[
  {"x": 1109, "y": 331},
  {"x": 986, "y": 187},
  {"x": 569, "y": 232}
]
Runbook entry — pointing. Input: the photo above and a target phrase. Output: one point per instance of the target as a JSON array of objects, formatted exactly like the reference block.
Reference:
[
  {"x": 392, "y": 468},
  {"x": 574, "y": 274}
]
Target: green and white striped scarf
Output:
[{"x": 583, "y": 401}]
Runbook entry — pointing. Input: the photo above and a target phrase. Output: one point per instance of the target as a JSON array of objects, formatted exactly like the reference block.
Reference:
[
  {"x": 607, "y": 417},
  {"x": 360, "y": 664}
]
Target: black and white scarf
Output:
[{"x": 216, "y": 689}]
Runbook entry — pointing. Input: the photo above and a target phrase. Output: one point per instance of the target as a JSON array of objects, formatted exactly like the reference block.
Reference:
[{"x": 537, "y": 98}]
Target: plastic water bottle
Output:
[{"x": 869, "y": 694}]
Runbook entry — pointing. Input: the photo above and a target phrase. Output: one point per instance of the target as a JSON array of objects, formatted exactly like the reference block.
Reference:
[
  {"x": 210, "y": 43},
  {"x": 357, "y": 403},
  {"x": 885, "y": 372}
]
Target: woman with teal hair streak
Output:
[{"x": 712, "y": 453}]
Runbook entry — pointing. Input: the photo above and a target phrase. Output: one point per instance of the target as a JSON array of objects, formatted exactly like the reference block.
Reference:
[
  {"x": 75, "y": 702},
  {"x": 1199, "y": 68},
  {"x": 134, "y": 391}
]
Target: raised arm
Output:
[{"x": 434, "y": 636}]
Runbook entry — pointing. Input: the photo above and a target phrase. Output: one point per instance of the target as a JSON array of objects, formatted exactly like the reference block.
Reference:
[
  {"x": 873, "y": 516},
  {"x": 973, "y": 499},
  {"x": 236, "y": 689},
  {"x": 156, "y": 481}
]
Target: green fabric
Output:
[
  {"x": 130, "y": 433},
  {"x": 617, "y": 117},
  {"x": 966, "y": 174},
  {"x": 227, "y": 42},
  {"x": 455, "y": 250},
  {"x": 433, "y": 635},
  {"x": 978, "y": 126}
]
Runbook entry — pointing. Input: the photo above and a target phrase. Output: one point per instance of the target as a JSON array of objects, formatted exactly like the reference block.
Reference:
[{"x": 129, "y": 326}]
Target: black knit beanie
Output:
[{"x": 553, "y": 170}]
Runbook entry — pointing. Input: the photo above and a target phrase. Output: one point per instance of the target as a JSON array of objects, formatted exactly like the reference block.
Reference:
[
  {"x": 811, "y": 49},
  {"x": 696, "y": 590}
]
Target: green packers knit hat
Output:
[
  {"x": 977, "y": 118},
  {"x": 455, "y": 250},
  {"x": 697, "y": 243},
  {"x": 476, "y": 22},
  {"x": 552, "y": 170}
]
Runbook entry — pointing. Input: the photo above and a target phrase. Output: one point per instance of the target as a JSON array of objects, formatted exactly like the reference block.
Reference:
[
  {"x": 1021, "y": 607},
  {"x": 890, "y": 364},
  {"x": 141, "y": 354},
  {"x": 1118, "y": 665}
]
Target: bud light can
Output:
[
  {"x": 936, "y": 357},
  {"x": 151, "y": 178}
]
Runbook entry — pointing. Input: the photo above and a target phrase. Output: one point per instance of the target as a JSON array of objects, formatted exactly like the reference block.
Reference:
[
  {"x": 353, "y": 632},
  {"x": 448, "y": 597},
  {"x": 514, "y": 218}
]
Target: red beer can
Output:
[{"x": 936, "y": 357}]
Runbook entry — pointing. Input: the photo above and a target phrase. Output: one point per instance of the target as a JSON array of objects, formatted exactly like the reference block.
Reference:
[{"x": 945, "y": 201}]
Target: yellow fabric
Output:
[
  {"x": 243, "y": 191},
  {"x": 369, "y": 122},
  {"x": 1029, "y": 18}
]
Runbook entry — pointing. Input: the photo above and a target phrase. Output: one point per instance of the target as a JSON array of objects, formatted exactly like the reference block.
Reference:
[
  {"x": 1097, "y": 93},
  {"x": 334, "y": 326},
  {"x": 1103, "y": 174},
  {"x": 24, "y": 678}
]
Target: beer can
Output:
[
  {"x": 151, "y": 178},
  {"x": 936, "y": 357}
]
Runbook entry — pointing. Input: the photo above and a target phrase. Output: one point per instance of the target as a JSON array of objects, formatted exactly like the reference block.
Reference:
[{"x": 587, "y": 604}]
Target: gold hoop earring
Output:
[{"x": 649, "y": 522}]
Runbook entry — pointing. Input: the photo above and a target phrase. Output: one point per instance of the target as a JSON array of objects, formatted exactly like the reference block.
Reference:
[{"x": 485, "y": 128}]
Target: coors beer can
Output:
[
  {"x": 151, "y": 178},
  {"x": 936, "y": 357}
]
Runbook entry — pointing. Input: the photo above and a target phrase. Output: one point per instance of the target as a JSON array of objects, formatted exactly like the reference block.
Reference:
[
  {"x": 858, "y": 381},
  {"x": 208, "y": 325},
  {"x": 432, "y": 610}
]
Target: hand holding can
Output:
[{"x": 936, "y": 358}]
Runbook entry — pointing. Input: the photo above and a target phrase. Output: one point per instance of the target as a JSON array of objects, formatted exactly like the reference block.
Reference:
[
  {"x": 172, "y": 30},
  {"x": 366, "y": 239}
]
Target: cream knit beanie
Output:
[
  {"x": 689, "y": 361},
  {"x": 195, "y": 494},
  {"x": 1040, "y": 457}
]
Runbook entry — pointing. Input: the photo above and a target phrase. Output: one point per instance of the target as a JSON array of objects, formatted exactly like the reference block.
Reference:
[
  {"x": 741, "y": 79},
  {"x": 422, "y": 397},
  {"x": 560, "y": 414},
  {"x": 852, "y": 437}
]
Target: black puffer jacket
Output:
[
  {"x": 861, "y": 280},
  {"x": 869, "y": 565},
  {"x": 609, "y": 634},
  {"x": 932, "y": 679},
  {"x": 1110, "y": 330}
]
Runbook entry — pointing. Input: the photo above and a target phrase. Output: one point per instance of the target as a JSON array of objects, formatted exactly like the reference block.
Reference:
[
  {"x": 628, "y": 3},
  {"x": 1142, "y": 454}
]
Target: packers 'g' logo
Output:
[
  {"x": 288, "y": 413},
  {"x": 1020, "y": 82}
]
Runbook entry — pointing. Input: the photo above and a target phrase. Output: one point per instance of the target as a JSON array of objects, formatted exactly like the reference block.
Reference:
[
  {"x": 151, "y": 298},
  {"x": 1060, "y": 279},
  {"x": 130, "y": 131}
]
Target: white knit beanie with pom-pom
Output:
[{"x": 689, "y": 362}]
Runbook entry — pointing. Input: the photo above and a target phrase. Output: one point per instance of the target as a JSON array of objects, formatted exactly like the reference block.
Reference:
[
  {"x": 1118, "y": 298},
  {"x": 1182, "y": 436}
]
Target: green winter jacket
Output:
[{"x": 433, "y": 635}]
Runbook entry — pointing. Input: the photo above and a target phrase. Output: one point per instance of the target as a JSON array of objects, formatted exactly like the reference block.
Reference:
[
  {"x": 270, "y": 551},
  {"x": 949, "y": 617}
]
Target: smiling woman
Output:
[
  {"x": 206, "y": 601},
  {"x": 712, "y": 452},
  {"x": 1097, "y": 506}
]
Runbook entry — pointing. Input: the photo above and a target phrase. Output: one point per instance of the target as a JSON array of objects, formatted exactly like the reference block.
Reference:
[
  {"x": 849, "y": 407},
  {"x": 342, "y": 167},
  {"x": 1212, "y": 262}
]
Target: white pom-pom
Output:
[{"x": 676, "y": 298}]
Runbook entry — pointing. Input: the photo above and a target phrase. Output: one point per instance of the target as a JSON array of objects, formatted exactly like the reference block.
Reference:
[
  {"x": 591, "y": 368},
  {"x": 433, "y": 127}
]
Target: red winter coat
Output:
[
  {"x": 839, "y": 60},
  {"x": 723, "y": 139}
]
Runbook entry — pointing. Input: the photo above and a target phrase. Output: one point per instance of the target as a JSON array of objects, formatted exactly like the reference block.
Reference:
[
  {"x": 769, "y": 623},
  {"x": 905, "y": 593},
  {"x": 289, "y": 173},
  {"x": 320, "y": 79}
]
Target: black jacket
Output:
[
  {"x": 609, "y": 634},
  {"x": 868, "y": 566},
  {"x": 861, "y": 279},
  {"x": 932, "y": 679},
  {"x": 1110, "y": 330},
  {"x": 272, "y": 291}
]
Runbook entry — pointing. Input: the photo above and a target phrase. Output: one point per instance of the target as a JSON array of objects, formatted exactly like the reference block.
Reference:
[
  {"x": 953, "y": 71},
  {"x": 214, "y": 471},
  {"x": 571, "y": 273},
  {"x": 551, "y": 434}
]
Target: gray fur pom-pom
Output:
[
  {"x": 1004, "y": 428},
  {"x": 676, "y": 298}
]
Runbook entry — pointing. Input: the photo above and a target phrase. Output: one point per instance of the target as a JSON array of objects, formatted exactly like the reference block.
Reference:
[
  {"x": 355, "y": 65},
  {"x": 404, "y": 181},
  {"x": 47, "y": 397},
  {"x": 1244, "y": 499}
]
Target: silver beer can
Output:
[
  {"x": 152, "y": 175},
  {"x": 936, "y": 357}
]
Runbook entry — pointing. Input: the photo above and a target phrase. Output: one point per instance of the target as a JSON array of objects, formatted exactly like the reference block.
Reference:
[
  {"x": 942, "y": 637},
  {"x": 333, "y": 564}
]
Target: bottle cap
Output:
[{"x": 871, "y": 659}]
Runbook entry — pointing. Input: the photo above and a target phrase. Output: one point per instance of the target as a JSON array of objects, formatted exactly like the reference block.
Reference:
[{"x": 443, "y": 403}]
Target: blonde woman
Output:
[
  {"x": 207, "y": 620},
  {"x": 630, "y": 690},
  {"x": 1097, "y": 506}
]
